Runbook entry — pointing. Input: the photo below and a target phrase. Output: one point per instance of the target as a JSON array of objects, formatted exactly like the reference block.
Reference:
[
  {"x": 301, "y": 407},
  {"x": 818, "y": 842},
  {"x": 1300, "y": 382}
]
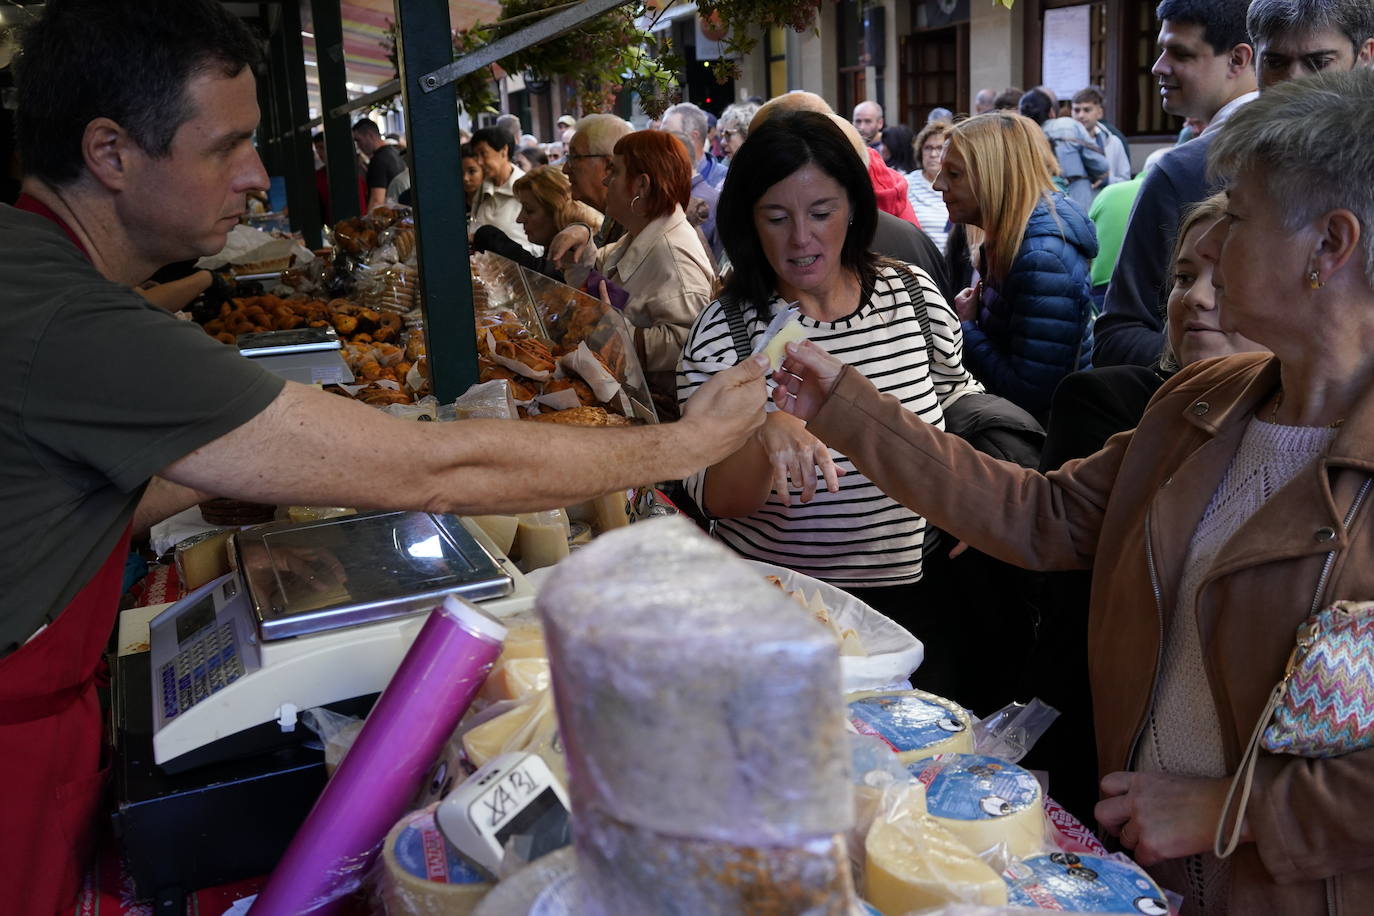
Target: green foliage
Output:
[
  {"x": 739, "y": 17},
  {"x": 601, "y": 58}
]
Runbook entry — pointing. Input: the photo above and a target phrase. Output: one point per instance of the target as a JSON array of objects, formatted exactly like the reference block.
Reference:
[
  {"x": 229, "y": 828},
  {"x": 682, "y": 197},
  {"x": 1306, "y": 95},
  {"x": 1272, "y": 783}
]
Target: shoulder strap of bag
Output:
[
  {"x": 1226, "y": 841},
  {"x": 739, "y": 328},
  {"x": 918, "y": 302}
]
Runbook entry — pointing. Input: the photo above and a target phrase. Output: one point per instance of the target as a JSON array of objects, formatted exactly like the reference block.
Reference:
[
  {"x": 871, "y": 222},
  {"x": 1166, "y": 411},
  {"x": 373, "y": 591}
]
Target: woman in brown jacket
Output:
[{"x": 1208, "y": 528}]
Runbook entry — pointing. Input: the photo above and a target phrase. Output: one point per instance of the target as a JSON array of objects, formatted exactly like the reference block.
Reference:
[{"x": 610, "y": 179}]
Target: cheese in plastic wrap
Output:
[{"x": 702, "y": 718}]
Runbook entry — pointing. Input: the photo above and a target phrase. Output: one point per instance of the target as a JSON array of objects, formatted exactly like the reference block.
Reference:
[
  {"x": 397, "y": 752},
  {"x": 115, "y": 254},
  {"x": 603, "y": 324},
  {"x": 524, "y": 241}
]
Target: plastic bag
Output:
[
  {"x": 488, "y": 400},
  {"x": 1012, "y": 731},
  {"x": 337, "y": 732}
]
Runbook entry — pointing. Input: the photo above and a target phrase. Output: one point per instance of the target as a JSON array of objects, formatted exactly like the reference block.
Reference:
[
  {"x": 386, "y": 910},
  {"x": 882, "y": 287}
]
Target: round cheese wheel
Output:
[
  {"x": 1074, "y": 883},
  {"x": 984, "y": 802},
  {"x": 913, "y": 723},
  {"x": 423, "y": 875}
]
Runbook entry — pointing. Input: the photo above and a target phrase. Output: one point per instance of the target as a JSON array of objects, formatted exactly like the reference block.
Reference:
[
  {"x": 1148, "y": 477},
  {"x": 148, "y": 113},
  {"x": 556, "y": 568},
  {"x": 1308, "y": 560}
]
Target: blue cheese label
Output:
[
  {"x": 1073, "y": 883},
  {"x": 971, "y": 787},
  {"x": 909, "y": 722},
  {"x": 424, "y": 853}
]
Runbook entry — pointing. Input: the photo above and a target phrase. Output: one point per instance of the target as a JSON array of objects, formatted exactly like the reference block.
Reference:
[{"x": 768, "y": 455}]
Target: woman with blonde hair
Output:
[
  {"x": 1027, "y": 319},
  {"x": 546, "y": 206}
]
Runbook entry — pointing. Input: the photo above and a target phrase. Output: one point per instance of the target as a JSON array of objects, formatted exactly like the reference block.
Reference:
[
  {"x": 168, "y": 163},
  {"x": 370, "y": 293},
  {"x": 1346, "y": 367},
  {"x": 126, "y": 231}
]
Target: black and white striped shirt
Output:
[{"x": 858, "y": 537}]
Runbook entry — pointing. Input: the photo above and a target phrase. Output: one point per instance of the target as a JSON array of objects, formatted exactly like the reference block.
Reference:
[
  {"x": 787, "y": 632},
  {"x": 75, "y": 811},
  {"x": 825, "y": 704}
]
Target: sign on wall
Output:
[{"x": 1065, "y": 59}]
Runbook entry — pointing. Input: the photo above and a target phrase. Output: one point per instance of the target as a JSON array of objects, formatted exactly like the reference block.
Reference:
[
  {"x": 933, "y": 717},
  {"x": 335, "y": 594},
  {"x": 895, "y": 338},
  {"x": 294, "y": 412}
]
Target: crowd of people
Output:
[{"x": 1116, "y": 416}]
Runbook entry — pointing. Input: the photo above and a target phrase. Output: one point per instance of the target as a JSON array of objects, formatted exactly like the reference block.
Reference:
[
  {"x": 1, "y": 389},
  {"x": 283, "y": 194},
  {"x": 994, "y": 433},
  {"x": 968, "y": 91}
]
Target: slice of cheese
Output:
[
  {"x": 423, "y": 875},
  {"x": 913, "y": 863},
  {"x": 524, "y": 639},
  {"x": 516, "y": 679},
  {"x": 500, "y": 528},
  {"x": 776, "y": 349},
  {"x": 985, "y": 802},
  {"x": 531, "y": 726},
  {"x": 1073, "y": 883},
  {"x": 913, "y": 723}
]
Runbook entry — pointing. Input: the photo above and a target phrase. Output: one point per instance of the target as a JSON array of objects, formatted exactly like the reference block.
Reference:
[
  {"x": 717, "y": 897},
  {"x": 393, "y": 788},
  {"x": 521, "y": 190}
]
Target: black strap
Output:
[
  {"x": 918, "y": 302},
  {"x": 739, "y": 329}
]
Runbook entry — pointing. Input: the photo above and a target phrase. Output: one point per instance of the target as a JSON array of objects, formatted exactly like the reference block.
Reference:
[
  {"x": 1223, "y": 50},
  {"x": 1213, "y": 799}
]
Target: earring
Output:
[
  {"x": 1314, "y": 280},
  {"x": 632, "y": 204}
]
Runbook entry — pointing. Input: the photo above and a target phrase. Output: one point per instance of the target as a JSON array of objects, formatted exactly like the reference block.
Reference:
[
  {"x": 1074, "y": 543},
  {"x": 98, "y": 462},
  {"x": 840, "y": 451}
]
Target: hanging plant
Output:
[
  {"x": 738, "y": 21},
  {"x": 601, "y": 58}
]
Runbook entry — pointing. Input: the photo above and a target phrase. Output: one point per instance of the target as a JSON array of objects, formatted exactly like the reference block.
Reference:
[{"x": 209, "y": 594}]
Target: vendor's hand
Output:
[
  {"x": 570, "y": 244},
  {"x": 795, "y": 454},
  {"x": 728, "y": 408},
  {"x": 1161, "y": 816},
  {"x": 806, "y": 378},
  {"x": 966, "y": 304}
]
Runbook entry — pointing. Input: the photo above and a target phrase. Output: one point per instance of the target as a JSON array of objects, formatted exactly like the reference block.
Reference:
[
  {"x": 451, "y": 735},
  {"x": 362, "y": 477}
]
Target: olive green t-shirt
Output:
[{"x": 101, "y": 391}]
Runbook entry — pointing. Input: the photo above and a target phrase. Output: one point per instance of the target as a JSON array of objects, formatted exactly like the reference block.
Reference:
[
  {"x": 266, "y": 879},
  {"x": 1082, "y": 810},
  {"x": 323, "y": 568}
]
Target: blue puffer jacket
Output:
[{"x": 1036, "y": 326}]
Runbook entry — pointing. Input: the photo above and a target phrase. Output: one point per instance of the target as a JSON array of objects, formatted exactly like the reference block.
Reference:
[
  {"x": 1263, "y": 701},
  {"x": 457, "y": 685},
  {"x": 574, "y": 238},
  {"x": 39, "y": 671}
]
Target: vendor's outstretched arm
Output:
[
  {"x": 1017, "y": 515},
  {"x": 313, "y": 448},
  {"x": 161, "y": 500}
]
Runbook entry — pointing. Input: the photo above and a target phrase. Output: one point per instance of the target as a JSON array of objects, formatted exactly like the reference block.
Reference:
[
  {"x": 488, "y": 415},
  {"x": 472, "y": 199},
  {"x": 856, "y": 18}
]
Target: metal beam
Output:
[
  {"x": 423, "y": 45},
  {"x": 552, "y": 26},
  {"x": 383, "y": 92},
  {"x": 298, "y": 163},
  {"x": 341, "y": 160}
]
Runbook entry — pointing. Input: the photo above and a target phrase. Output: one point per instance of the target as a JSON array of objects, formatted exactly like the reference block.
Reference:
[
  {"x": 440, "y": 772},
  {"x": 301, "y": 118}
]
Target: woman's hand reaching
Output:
[
  {"x": 805, "y": 380},
  {"x": 796, "y": 455},
  {"x": 966, "y": 304}
]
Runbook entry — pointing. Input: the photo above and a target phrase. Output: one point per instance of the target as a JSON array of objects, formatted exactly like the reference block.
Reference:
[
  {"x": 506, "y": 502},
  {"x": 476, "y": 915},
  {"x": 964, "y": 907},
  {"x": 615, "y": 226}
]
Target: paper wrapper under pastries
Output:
[{"x": 700, "y": 713}]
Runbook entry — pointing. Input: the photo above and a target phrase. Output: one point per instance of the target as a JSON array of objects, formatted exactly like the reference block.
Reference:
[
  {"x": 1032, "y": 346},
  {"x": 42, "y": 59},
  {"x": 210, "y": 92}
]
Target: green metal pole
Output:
[
  {"x": 341, "y": 160},
  {"x": 425, "y": 44}
]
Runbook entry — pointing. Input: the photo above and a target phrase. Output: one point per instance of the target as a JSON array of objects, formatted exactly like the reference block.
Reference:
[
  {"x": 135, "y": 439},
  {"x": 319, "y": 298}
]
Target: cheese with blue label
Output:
[
  {"x": 424, "y": 875},
  {"x": 985, "y": 802},
  {"x": 913, "y": 723},
  {"x": 1072, "y": 883}
]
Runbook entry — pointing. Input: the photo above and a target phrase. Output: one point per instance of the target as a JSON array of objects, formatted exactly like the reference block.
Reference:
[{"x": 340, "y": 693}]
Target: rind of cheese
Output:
[
  {"x": 422, "y": 875},
  {"x": 634, "y": 870},
  {"x": 1072, "y": 883},
  {"x": 913, "y": 723},
  {"x": 776, "y": 349},
  {"x": 913, "y": 863},
  {"x": 985, "y": 802}
]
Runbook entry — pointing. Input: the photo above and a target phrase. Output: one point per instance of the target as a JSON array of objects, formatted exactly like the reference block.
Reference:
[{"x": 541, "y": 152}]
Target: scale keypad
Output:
[{"x": 206, "y": 664}]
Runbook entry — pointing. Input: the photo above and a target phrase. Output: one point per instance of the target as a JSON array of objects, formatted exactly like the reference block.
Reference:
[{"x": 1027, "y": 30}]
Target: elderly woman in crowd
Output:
[
  {"x": 733, "y": 126},
  {"x": 660, "y": 260},
  {"x": 1237, "y": 506},
  {"x": 797, "y": 217},
  {"x": 929, "y": 203},
  {"x": 546, "y": 207},
  {"x": 1027, "y": 321}
]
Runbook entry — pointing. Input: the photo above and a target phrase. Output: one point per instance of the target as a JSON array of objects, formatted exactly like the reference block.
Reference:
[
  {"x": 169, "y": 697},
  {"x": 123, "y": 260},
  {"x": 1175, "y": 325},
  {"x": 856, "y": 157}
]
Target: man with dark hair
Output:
[
  {"x": 384, "y": 162},
  {"x": 1008, "y": 99},
  {"x": 496, "y": 203},
  {"x": 1293, "y": 38},
  {"x": 1204, "y": 71},
  {"x": 1088, "y": 110},
  {"x": 1081, "y": 163},
  {"x": 136, "y": 119}
]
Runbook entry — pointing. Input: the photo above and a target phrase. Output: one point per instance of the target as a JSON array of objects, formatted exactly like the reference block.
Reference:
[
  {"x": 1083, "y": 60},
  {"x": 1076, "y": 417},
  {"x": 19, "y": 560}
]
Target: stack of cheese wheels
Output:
[
  {"x": 704, "y": 731},
  {"x": 913, "y": 863},
  {"x": 984, "y": 802},
  {"x": 422, "y": 875},
  {"x": 913, "y": 723},
  {"x": 1072, "y": 883}
]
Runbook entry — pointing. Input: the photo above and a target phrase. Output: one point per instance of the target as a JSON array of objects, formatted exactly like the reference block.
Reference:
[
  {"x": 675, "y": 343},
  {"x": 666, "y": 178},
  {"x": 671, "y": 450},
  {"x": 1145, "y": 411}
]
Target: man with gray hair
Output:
[
  {"x": 984, "y": 101},
  {"x": 588, "y": 163},
  {"x": 1293, "y": 38},
  {"x": 691, "y": 120}
]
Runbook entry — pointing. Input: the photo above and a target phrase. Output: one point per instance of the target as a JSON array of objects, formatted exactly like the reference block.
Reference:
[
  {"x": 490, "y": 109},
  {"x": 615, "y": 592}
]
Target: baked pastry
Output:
[{"x": 582, "y": 416}]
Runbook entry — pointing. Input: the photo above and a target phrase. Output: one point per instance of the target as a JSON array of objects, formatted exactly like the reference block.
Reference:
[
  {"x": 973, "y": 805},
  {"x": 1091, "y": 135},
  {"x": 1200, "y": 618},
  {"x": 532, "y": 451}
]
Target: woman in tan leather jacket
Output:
[{"x": 1209, "y": 527}]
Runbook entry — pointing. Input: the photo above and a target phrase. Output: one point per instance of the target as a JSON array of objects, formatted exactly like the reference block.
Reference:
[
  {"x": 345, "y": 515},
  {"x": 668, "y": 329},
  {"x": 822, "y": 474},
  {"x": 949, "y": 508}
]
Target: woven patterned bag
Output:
[{"x": 1324, "y": 704}]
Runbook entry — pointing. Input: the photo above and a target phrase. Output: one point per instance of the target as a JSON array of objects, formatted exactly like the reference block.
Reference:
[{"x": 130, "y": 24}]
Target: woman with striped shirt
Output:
[{"x": 797, "y": 214}]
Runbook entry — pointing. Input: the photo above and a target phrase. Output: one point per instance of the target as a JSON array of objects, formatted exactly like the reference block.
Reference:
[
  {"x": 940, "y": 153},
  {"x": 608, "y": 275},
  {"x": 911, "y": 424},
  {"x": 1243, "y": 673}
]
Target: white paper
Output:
[{"x": 1067, "y": 45}]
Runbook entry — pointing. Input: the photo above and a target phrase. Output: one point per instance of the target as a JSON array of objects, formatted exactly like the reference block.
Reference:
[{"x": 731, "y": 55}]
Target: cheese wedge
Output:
[{"x": 776, "y": 350}]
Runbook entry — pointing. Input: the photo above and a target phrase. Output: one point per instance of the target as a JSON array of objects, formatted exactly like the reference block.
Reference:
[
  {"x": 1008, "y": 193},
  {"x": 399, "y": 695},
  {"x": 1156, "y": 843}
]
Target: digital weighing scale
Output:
[
  {"x": 312, "y": 614},
  {"x": 311, "y": 356}
]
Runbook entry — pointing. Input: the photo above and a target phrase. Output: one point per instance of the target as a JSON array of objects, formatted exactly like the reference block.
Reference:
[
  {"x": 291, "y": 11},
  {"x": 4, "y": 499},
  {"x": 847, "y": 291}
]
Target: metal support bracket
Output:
[{"x": 549, "y": 27}]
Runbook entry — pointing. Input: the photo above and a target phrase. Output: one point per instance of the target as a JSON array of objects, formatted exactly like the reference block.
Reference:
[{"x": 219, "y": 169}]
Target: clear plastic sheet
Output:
[{"x": 1012, "y": 731}]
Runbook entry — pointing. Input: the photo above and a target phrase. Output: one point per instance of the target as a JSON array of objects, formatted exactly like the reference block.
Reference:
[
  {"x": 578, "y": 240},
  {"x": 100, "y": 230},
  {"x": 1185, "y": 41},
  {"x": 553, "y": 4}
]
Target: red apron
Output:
[{"x": 52, "y": 749}]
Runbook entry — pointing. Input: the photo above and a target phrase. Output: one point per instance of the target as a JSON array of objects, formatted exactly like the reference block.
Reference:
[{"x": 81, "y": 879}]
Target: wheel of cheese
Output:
[
  {"x": 423, "y": 875},
  {"x": 1074, "y": 883},
  {"x": 913, "y": 863},
  {"x": 985, "y": 802},
  {"x": 913, "y": 723}
]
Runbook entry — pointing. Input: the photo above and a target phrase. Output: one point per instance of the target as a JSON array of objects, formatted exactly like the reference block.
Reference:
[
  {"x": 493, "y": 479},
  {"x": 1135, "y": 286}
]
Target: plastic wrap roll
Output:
[
  {"x": 692, "y": 697},
  {"x": 417, "y": 711}
]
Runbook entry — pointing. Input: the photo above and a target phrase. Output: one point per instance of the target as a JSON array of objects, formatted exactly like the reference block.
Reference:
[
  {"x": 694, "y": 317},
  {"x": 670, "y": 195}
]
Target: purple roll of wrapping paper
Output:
[{"x": 416, "y": 713}]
